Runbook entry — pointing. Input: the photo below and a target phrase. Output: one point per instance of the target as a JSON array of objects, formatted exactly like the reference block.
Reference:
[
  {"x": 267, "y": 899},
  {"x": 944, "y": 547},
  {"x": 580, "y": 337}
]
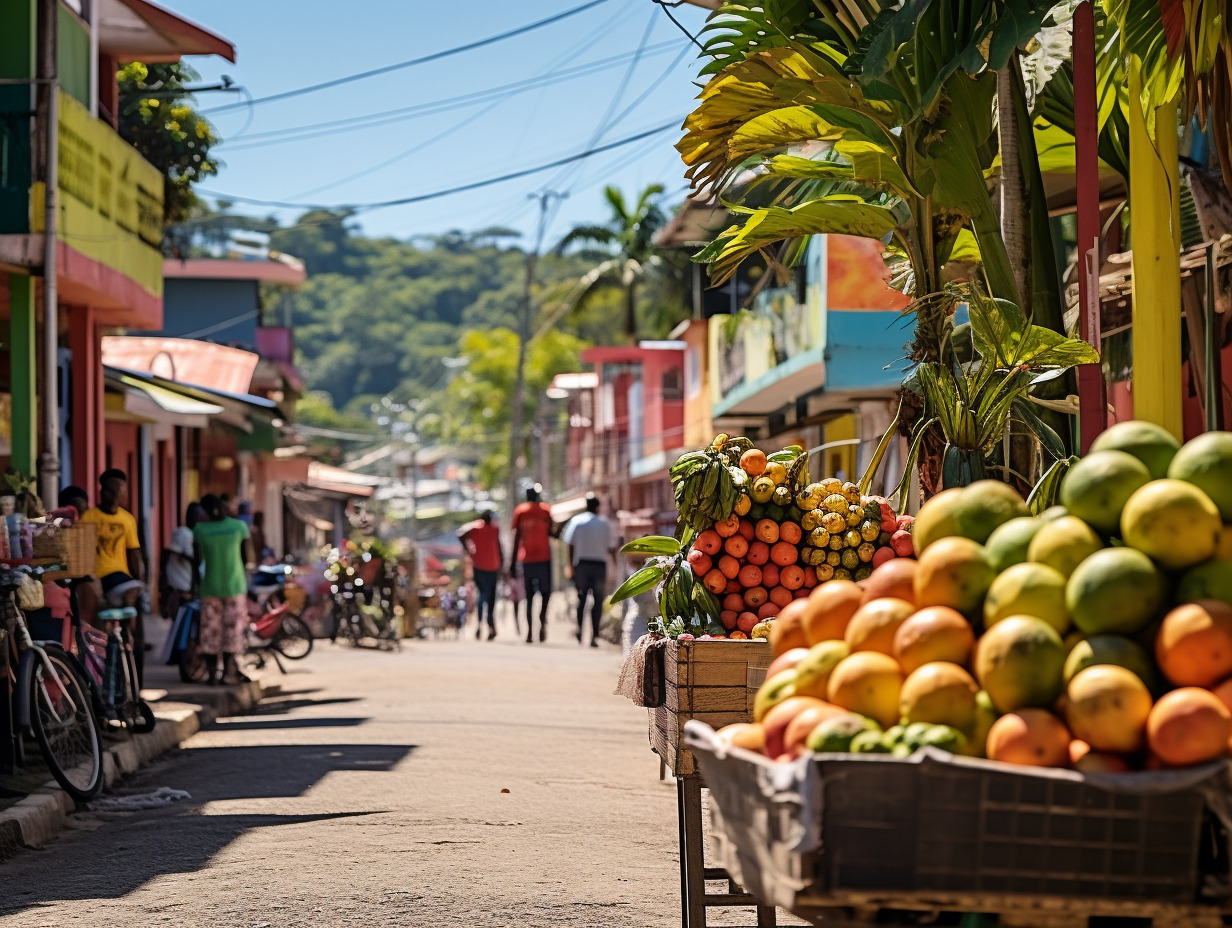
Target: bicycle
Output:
[
  {"x": 119, "y": 692},
  {"x": 52, "y": 700}
]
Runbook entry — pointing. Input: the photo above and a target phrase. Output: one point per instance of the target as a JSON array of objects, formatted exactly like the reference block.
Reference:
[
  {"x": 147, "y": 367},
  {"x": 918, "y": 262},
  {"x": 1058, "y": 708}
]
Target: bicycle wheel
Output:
[
  {"x": 142, "y": 718},
  {"x": 294, "y": 640},
  {"x": 65, "y": 727}
]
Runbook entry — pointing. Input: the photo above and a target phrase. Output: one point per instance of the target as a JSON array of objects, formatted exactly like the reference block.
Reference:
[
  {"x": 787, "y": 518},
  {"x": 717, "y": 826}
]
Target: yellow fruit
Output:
[
  {"x": 1028, "y": 589},
  {"x": 1117, "y": 590},
  {"x": 1107, "y": 707},
  {"x": 830, "y": 486},
  {"x": 833, "y": 557},
  {"x": 874, "y": 624},
  {"x": 866, "y": 552},
  {"x": 855, "y": 515},
  {"x": 760, "y": 630},
  {"x": 852, "y": 538},
  {"x": 1172, "y": 522},
  {"x": 1149, "y": 443},
  {"x": 1063, "y": 544},
  {"x": 811, "y": 496},
  {"x": 970, "y": 512},
  {"x": 814, "y": 670},
  {"x": 762, "y": 489},
  {"x": 935, "y": 633},
  {"x": 940, "y": 693},
  {"x": 835, "y": 502},
  {"x": 1019, "y": 661},
  {"x": 825, "y": 573},
  {"x": 819, "y": 537},
  {"x": 743, "y": 505},
  {"x": 867, "y": 683},
  {"x": 776, "y": 689},
  {"x": 1097, "y": 487},
  {"x": 870, "y": 530},
  {"x": 836, "y": 541},
  {"x": 852, "y": 492},
  {"x": 776, "y": 471},
  {"x": 834, "y": 523},
  {"x": 810, "y": 520},
  {"x": 953, "y": 572}
]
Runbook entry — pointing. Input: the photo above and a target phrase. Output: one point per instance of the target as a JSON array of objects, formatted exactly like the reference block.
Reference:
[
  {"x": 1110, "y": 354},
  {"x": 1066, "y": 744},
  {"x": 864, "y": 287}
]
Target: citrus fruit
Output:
[
  {"x": 1189, "y": 726},
  {"x": 1194, "y": 644},
  {"x": 834, "y": 735},
  {"x": 1008, "y": 543},
  {"x": 970, "y": 512},
  {"x": 934, "y": 633},
  {"x": 874, "y": 625},
  {"x": 790, "y": 533},
  {"x": 736, "y": 545},
  {"x": 1173, "y": 522},
  {"x": 1209, "y": 580},
  {"x": 1097, "y": 487},
  {"x": 786, "y": 661},
  {"x": 784, "y": 553},
  {"x": 1206, "y": 462},
  {"x": 727, "y": 527},
  {"x": 1063, "y": 544},
  {"x": 1117, "y": 590},
  {"x": 709, "y": 541},
  {"x": 1019, "y": 662},
  {"x": 1109, "y": 649},
  {"x": 767, "y": 530},
  {"x": 830, "y": 608},
  {"x": 895, "y": 578},
  {"x": 754, "y": 462},
  {"x": 747, "y": 735},
  {"x": 814, "y": 669},
  {"x": 867, "y": 682},
  {"x": 953, "y": 572},
  {"x": 1107, "y": 706},
  {"x": 1151, "y": 444},
  {"x": 772, "y": 692},
  {"x": 743, "y": 505},
  {"x": 1031, "y": 737},
  {"x": 1028, "y": 589},
  {"x": 803, "y": 723},
  {"x": 940, "y": 693},
  {"x": 780, "y": 716}
]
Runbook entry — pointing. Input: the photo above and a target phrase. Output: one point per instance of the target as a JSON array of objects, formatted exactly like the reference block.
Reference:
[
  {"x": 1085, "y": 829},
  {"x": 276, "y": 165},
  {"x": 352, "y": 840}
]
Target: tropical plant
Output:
[
  {"x": 157, "y": 117},
  {"x": 625, "y": 252},
  {"x": 986, "y": 374}
]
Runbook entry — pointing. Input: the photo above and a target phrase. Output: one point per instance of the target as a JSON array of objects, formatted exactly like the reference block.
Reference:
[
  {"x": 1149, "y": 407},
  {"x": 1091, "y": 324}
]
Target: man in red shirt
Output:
[
  {"x": 482, "y": 541},
  {"x": 532, "y": 527}
]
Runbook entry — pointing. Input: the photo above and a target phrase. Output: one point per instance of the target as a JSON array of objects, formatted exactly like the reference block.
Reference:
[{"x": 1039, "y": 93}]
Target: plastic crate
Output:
[
  {"x": 935, "y": 831},
  {"x": 986, "y": 829}
]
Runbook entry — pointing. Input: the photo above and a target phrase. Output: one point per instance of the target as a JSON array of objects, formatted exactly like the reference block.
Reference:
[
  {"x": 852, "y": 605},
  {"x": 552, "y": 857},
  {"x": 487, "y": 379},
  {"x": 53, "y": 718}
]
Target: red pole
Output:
[{"x": 1092, "y": 392}]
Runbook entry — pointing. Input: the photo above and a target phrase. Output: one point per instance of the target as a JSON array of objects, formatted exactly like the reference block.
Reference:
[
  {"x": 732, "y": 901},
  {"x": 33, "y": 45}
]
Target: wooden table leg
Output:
[
  {"x": 683, "y": 842},
  {"x": 692, "y": 863}
]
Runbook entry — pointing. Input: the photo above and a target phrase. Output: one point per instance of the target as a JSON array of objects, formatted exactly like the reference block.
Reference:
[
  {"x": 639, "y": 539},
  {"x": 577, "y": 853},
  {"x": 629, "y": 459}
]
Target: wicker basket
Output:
[{"x": 75, "y": 546}]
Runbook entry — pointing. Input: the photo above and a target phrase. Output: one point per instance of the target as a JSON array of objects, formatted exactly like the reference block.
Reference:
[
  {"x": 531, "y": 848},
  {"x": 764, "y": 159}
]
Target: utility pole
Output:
[
  {"x": 47, "y": 109},
  {"x": 545, "y": 199}
]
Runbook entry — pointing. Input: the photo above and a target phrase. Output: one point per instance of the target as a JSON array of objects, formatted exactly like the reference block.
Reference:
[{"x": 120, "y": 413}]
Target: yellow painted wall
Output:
[
  {"x": 111, "y": 199},
  {"x": 842, "y": 458}
]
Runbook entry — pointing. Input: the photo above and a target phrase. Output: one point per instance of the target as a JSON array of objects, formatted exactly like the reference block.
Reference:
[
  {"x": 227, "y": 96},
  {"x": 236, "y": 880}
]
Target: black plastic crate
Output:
[{"x": 929, "y": 825}]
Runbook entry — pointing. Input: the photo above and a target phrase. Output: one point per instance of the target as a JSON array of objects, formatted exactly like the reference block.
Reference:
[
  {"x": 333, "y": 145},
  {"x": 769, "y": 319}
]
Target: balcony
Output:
[{"x": 111, "y": 211}]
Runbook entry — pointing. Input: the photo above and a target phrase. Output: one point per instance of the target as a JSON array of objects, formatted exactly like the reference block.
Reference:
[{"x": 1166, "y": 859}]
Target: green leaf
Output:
[
  {"x": 663, "y": 545},
  {"x": 1045, "y": 493},
  {"x": 640, "y": 582},
  {"x": 1048, "y": 438},
  {"x": 1157, "y": 42}
]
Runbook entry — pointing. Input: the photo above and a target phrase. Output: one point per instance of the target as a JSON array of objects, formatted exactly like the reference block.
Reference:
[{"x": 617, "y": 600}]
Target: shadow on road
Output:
[
  {"x": 276, "y": 724},
  {"x": 282, "y": 705},
  {"x": 133, "y": 849}
]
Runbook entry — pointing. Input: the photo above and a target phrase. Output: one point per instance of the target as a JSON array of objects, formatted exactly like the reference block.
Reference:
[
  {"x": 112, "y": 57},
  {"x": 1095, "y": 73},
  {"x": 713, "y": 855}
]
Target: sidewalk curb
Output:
[{"x": 37, "y": 819}]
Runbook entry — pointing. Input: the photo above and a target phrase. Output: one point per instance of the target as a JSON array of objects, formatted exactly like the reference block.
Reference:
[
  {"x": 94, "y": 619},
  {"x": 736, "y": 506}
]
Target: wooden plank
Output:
[
  {"x": 731, "y": 673},
  {"x": 688, "y": 702}
]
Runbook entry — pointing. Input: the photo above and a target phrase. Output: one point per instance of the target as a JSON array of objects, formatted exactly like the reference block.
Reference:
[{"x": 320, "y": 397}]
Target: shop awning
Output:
[
  {"x": 138, "y": 401},
  {"x": 138, "y": 30},
  {"x": 337, "y": 480},
  {"x": 236, "y": 409}
]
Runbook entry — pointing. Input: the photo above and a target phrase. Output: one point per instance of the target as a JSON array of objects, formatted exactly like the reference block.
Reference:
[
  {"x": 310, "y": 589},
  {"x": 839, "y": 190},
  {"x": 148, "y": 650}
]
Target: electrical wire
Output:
[
  {"x": 424, "y": 59},
  {"x": 667, "y": 8},
  {"x": 448, "y": 191},
  {"x": 385, "y": 117}
]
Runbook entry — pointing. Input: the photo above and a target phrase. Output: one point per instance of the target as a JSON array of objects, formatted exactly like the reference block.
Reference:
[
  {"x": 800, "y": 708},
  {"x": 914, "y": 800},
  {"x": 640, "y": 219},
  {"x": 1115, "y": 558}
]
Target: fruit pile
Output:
[
  {"x": 756, "y": 535},
  {"x": 1097, "y": 634}
]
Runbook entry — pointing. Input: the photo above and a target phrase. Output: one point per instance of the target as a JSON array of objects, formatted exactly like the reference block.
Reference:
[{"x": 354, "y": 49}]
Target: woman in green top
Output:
[{"x": 221, "y": 542}]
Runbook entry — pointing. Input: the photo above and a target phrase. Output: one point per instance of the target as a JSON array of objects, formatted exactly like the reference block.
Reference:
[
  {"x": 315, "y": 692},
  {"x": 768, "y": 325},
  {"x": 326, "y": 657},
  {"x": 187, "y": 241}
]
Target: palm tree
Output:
[{"x": 626, "y": 250}]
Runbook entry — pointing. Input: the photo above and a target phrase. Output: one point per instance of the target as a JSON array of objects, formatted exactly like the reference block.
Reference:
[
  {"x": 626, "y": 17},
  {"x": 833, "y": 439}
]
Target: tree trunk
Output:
[
  {"x": 631, "y": 312},
  {"x": 1015, "y": 223}
]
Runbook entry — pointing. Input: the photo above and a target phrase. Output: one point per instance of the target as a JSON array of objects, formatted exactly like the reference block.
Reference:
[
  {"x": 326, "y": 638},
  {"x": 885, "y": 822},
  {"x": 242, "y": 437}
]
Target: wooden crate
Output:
[{"x": 711, "y": 681}]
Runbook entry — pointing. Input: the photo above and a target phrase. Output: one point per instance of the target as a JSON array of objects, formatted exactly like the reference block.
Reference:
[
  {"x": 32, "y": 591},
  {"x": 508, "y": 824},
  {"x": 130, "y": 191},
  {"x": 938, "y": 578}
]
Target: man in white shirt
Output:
[{"x": 589, "y": 537}]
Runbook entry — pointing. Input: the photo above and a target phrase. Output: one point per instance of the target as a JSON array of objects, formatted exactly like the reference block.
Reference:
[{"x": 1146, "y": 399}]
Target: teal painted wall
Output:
[{"x": 73, "y": 56}]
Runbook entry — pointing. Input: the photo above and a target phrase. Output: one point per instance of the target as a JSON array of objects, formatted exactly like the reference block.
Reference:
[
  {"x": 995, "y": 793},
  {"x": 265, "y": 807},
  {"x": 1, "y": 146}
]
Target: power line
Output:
[
  {"x": 667, "y": 8},
  {"x": 385, "y": 117},
  {"x": 435, "y": 56},
  {"x": 461, "y": 188}
]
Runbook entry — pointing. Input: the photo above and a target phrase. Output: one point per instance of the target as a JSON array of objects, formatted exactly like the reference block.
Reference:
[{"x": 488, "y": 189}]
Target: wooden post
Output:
[{"x": 1155, "y": 228}]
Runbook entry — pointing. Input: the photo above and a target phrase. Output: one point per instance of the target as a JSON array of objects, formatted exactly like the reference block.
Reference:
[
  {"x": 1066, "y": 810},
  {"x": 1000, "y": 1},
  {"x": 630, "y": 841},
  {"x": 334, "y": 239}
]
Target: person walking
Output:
[
  {"x": 482, "y": 541},
  {"x": 532, "y": 531},
  {"x": 179, "y": 564},
  {"x": 220, "y": 544},
  {"x": 589, "y": 537}
]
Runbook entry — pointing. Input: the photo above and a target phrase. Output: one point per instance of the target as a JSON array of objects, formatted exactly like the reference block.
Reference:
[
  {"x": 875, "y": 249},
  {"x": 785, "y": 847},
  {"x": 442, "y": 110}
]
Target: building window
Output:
[{"x": 673, "y": 384}]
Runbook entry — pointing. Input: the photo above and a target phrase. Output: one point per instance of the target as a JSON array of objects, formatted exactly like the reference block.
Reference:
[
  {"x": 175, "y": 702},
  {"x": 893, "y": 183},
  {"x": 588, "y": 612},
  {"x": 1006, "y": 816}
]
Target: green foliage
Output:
[{"x": 157, "y": 116}]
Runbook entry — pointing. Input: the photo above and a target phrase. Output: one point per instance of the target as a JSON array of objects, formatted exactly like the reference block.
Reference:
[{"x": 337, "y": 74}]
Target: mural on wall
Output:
[{"x": 857, "y": 276}]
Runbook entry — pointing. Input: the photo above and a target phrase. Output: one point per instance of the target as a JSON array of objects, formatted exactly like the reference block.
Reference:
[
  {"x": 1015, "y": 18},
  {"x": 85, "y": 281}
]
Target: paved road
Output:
[{"x": 455, "y": 783}]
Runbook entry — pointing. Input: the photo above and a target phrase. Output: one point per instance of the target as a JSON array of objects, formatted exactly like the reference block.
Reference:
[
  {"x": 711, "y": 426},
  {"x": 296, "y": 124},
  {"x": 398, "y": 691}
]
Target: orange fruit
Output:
[
  {"x": 758, "y": 553},
  {"x": 727, "y": 527},
  {"x": 790, "y": 532},
  {"x": 800, "y": 727},
  {"x": 831, "y": 607},
  {"x": 775, "y": 722},
  {"x": 733, "y": 586},
  {"x": 745, "y": 530},
  {"x": 792, "y": 577},
  {"x": 755, "y": 596},
  {"x": 729, "y": 566},
  {"x": 739, "y": 635},
  {"x": 749, "y": 575},
  {"x": 787, "y": 632},
  {"x": 1030, "y": 737},
  {"x": 753, "y": 462},
  {"x": 1188, "y": 726},
  {"x": 934, "y": 633},
  {"x": 745, "y": 622},
  {"x": 709, "y": 541},
  {"x": 867, "y": 683},
  {"x": 768, "y": 610},
  {"x": 1194, "y": 644},
  {"x": 893, "y": 579},
  {"x": 780, "y": 595},
  {"x": 715, "y": 582},
  {"x": 734, "y": 601},
  {"x": 784, "y": 553},
  {"x": 736, "y": 546},
  {"x": 728, "y": 617},
  {"x": 770, "y": 575},
  {"x": 747, "y": 735},
  {"x": 954, "y": 572},
  {"x": 874, "y": 625},
  {"x": 1107, "y": 706},
  {"x": 767, "y": 530}
]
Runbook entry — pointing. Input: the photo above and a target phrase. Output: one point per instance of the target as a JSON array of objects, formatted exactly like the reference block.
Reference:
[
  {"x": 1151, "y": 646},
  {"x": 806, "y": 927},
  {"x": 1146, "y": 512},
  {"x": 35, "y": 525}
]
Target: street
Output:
[{"x": 453, "y": 783}]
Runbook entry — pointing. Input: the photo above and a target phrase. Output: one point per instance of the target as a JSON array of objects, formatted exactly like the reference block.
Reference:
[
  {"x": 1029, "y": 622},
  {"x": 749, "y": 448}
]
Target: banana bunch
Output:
[
  {"x": 707, "y": 484},
  {"x": 683, "y": 599}
]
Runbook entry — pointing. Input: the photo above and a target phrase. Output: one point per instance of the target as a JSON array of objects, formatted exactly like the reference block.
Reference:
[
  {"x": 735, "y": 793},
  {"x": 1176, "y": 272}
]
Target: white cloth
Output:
[
  {"x": 591, "y": 537},
  {"x": 179, "y": 565}
]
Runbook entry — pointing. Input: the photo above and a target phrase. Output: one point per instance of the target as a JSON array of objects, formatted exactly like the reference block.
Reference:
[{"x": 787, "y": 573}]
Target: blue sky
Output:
[{"x": 284, "y": 45}]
